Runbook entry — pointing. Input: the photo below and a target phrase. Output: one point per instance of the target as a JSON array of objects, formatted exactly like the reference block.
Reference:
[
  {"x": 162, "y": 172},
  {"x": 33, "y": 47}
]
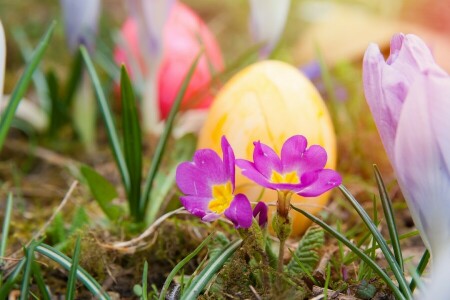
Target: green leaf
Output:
[
  {"x": 22, "y": 85},
  {"x": 181, "y": 264},
  {"x": 398, "y": 273},
  {"x": 420, "y": 268},
  {"x": 144, "y": 281},
  {"x": 160, "y": 147},
  {"x": 108, "y": 120},
  {"x": 163, "y": 184},
  {"x": 71, "y": 281},
  {"x": 89, "y": 282},
  {"x": 307, "y": 251},
  {"x": 103, "y": 192},
  {"x": 29, "y": 257},
  {"x": 76, "y": 71},
  {"x": 211, "y": 269},
  {"x": 7, "y": 287},
  {"x": 132, "y": 141},
  {"x": 373, "y": 264},
  {"x": 39, "y": 278},
  {"x": 390, "y": 219}
]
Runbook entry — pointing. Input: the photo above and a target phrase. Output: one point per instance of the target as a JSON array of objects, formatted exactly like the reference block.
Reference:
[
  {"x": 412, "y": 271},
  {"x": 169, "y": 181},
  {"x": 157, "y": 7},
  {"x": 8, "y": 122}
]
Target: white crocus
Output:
[
  {"x": 267, "y": 21},
  {"x": 27, "y": 110},
  {"x": 151, "y": 16}
]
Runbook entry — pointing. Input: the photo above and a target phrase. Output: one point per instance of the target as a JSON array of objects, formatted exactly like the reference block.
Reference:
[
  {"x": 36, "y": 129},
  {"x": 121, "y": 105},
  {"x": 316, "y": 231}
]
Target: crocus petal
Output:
[
  {"x": 151, "y": 17},
  {"x": 240, "y": 212},
  {"x": 422, "y": 168},
  {"x": 80, "y": 19},
  {"x": 249, "y": 170},
  {"x": 386, "y": 84},
  {"x": 268, "y": 32},
  {"x": 437, "y": 287},
  {"x": 228, "y": 160},
  {"x": 326, "y": 180},
  {"x": 198, "y": 206},
  {"x": 261, "y": 210},
  {"x": 266, "y": 160},
  {"x": 2, "y": 59}
]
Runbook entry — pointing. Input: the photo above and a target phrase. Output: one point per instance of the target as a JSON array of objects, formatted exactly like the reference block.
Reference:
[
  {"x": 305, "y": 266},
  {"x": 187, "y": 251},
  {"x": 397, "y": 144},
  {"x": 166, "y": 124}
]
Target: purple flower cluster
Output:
[{"x": 208, "y": 182}]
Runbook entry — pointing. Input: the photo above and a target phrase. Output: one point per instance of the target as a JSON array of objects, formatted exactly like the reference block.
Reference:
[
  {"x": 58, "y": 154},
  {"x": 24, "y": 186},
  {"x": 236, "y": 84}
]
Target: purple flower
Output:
[
  {"x": 81, "y": 18},
  {"x": 409, "y": 96},
  {"x": 299, "y": 170},
  {"x": 260, "y": 212},
  {"x": 208, "y": 185}
]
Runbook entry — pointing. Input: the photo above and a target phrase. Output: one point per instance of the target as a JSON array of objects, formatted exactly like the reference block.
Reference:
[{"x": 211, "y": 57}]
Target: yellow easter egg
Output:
[{"x": 270, "y": 101}]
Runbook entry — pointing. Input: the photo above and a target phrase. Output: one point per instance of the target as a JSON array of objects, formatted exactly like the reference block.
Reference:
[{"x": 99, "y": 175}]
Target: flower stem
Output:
[{"x": 281, "y": 255}]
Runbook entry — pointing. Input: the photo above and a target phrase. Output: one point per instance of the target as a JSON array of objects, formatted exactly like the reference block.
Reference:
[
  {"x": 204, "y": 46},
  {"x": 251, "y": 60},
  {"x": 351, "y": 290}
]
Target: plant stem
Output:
[{"x": 281, "y": 255}]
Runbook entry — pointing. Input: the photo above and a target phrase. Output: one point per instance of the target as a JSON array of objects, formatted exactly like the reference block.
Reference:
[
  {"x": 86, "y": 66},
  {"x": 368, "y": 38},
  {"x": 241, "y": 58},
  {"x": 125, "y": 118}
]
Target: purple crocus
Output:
[
  {"x": 300, "y": 170},
  {"x": 208, "y": 184},
  {"x": 409, "y": 96},
  {"x": 80, "y": 19}
]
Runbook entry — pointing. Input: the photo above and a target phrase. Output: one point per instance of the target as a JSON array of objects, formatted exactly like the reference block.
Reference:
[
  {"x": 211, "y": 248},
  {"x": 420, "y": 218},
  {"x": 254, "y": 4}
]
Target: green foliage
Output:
[
  {"x": 307, "y": 252},
  {"x": 22, "y": 85},
  {"x": 132, "y": 144},
  {"x": 103, "y": 192},
  {"x": 71, "y": 281}
]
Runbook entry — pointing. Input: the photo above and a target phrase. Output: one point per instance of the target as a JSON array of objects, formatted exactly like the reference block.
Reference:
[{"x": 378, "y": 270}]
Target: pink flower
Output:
[
  {"x": 208, "y": 184},
  {"x": 300, "y": 170},
  {"x": 409, "y": 96}
]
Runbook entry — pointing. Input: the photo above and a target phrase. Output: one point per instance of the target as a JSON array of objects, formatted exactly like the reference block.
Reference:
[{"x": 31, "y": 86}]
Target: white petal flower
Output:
[{"x": 268, "y": 18}]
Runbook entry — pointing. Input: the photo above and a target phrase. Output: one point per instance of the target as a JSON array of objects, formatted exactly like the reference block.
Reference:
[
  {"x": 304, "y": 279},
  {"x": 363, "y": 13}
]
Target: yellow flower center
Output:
[
  {"x": 222, "y": 197},
  {"x": 290, "y": 177}
]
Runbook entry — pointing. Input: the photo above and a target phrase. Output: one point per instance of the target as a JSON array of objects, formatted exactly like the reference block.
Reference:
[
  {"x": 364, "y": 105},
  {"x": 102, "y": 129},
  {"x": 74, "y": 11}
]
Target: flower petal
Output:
[
  {"x": 80, "y": 20},
  {"x": 240, "y": 212},
  {"x": 210, "y": 162},
  {"x": 192, "y": 180},
  {"x": 228, "y": 160},
  {"x": 249, "y": 170},
  {"x": 261, "y": 209},
  {"x": 421, "y": 166},
  {"x": 292, "y": 151},
  {"x": 197, "y": 206},
  {"x": 327, "y": 179},
  {"x": 266, "y": 160}
]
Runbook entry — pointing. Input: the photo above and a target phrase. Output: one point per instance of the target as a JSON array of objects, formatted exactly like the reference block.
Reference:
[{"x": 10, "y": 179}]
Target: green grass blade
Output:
[
  {"x": 37, "y": 275},
  {"x": 39, "y": 79},
  {"x": 390, "y": 219},
  {"x": 5, "y": 227},
  {"x": 72, "y": 280},
  {"x": 180, "y": 265},
  {"x": 132, "y": 141},
  {"x": 363, "y": 256},
  {"x": 165, "y": 136},
  {"x": 29, "y": 258},
  {"x": 211, "y": 269},
  {"x": 398, "y": 273},
  {"x": 89, "y": 282},
  {"x": 108, "y": 120},
  {"x": 420, "y": 268},
  {"x": 22, "y": 85},
  {"x": 144, "y": 282},
  {"x": 7, "y": 287},
  {"x": 76, "y": 71},
  {"x": 163, "y": 183}
]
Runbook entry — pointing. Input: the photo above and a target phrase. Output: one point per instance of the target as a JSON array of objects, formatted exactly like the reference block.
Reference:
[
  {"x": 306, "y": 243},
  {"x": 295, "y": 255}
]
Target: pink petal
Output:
[{"x": 240, "y": 212}]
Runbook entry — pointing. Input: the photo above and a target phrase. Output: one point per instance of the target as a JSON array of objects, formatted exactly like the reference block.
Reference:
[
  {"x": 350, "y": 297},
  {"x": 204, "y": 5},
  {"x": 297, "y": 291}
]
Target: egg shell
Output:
[
  {"x": 270, "y": 101},
  {"x": 183, "y": 37}
]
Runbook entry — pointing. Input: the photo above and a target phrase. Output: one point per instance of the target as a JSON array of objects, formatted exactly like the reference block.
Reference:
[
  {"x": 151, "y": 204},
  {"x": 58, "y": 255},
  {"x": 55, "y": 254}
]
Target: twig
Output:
[
  {"x": 131, "y": 244},
  {"x": 255, "y": 292},
  {"x": 58, "y": 209},
  {"x": 335, "y": 295}
]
